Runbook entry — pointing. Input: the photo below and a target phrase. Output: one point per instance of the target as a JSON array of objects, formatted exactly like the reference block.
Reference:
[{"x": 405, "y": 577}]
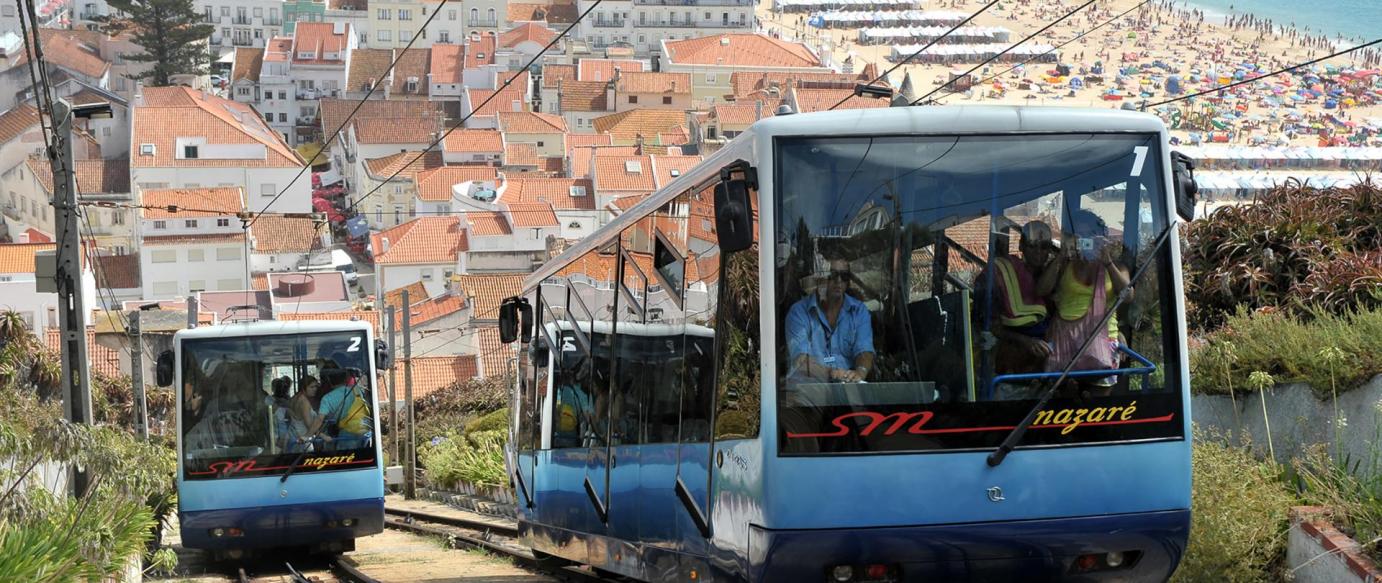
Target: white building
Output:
[
  {"x": 320, "y": 61},
  {"x": 241, "y": 23},
  {"x": 711, "y": 60},
  {"x": 425, "y": 249},
  {"x": 645, "y": 24},
  {"x": 285, "y": 244},
  {"x": 182, "y": 138},
  {"x": 190, "y": 251},
  {"x": 18, "y": 290}
]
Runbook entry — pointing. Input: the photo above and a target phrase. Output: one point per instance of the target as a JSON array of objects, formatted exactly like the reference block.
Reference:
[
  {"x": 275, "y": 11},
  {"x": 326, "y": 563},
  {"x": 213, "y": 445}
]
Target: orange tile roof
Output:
[
  {"x": 525, "y": 12},
  {"x": 809, "y": 100},
  {"x": 259, "y": 281},
  {"x": 528, "y": 122},
  {"x": 581, "y": 157},
  {"x": 740, "y": 50},
  {"x": 416, "y": 293},
  {"x": 431, "y": 309},
  {"x": 552, "y": 72},
  {"x": 274, "y": 234},
  {"x": 278, "y": 49},
  {"x": 193, "y": 202},
  {"x": 526, "y": 32},
  {"x": 553, "y": 166},
  {"x": 16, "y": 121},
  {"x": 397, "y": 130},
  {"x": 677, "y": 137},
  {"x": 474, "y": 141},
  {"x": 671, "y": 167},
  {"x": 208, "y": 239},
  {"x": 248, "y": 62},
  {"x": 575, "y": 140},
  {"x": 94, "y": 177},
  {"x": 554, "y": 191},
  {"x": 402, "y": 162},
  {"x": 647, "y": 122},
  {"x": 19, "y": 257},
  {"x": 435, "y": 185},
  {"x": 170, "y": 113},
  {"x": 367, "y": 65},
  {"x": 446, "y": 63},
  {"x": 583, "y": 96},
  {"x": 335, "y": 112},
  {"x": 743, "y": 83},
  {"x": 624, "y": 173},
  {"x": 532, "y": 215},
  {"x": 413, "y": 63},
  {"x": 105, "y": 361},
  {"x": 627, "y": 202},
  {"x": 434, "y": 373},
  {"x": 738, "y": 114},
  {"x": 372, "y": 316},
  {"x": 421, "y": 240},
  {"x": 504, "y": 99},
  {"x": 480, "y": 53},
  {"x": 487, "y": 224},
  {"x": 668, "y": 83},
  {"x": 67, "y": 52},
  {"x": 118, "y": 271},
  {"x": 319, "y": 38},
  {"x": 494, "y": 354},
  {"x": 603, "y": 69},
  {"x": 486, "y": 291},
  {"x": 520, "y": 154}
]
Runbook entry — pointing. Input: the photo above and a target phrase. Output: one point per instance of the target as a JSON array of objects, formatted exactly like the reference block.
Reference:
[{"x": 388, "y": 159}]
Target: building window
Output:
[
  {"x": 405, "y": 14},
  {"x": 444, "y": 35},
  {"x": 426, "y": 274},
  {"x": 228, "y": 254},
  {"x": 196, "y": 255},
  {"x": 196, "y": 285},
  {"x": 228, "y": 284},
  {"x": 117, "y": 218},
  {"x": 225, "y": 11},
  {"x": 164, "y": 256},
  {"x": 384, "y": 14},
  {"x": 666, "y": 100},
  {"x": 222, "y": 222},
  {"x": 189, "y": 152},
  {"x": 165, "y": 288},
  {"x": 633, "y": 99},
  {"x": 282, "y": 94},
  {"x": 282, "y": 117},
  {"x": 385, "y": 35},
  {"x": 267, "y": 190},
  {"x": 190, "y": 223},
  {"x": 539, "y": 143},
  {"x": 451, "y": 15},
  {"x": 160, "y": 225}
]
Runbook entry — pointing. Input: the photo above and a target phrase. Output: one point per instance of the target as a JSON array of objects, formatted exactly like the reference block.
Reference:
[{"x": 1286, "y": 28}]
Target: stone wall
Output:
[{"x": 1298, "y": 419}]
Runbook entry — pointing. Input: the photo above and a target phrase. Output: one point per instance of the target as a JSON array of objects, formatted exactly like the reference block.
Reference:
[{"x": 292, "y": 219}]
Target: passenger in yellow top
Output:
[{"x": 1088, "y": 257}]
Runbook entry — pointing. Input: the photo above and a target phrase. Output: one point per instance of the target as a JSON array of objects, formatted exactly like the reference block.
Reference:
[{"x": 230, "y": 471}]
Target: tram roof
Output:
[
  {"x": 886, "y": 121},
  {"x": 272, "y": 328}
]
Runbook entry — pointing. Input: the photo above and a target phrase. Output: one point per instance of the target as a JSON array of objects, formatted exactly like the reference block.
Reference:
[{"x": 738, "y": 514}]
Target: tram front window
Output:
[
  {"x": 931, "y": 287},
  {"x": 254, "y": 406}
]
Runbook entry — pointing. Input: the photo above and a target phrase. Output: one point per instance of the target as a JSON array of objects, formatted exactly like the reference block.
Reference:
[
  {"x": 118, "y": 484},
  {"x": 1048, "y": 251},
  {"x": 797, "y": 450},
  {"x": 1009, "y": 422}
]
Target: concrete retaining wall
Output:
[
  {"x": 1316, "y": 552},
  {"x": 1298, "y": 419}
]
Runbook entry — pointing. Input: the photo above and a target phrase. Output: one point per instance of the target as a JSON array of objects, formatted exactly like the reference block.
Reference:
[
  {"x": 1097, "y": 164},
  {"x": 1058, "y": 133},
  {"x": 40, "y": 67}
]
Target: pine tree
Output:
[{"x": 171, "y": 32}]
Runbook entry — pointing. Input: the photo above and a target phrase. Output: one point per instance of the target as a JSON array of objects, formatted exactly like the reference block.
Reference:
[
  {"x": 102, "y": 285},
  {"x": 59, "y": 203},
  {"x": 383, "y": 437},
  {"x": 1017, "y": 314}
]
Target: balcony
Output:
[
  {"x": 483, "y": 22},
  {"x": 12, "y": 212},
  {"x": 243, "y": 41},
  {"x": 309, "y": 94},
  {"x": 693, "y": 24},
  {"x": 241, "y": 20},
  {"x": 609, "y": 23},
  {"x": 89, "y": 14},
  {"x": 273, "y": 22}
]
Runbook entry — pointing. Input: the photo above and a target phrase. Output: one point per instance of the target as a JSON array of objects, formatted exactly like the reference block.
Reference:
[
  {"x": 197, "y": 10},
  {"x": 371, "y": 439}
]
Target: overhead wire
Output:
[
  {"x": 1261, "y": 77},
  {"x": 1057, "y": 47},
  {"x": 921, "y": 50},
  {"x": 1004, "y": 51}
]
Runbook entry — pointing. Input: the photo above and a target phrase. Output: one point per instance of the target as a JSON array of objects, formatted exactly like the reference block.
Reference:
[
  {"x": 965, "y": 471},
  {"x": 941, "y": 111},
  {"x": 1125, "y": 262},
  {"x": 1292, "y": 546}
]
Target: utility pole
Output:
[
  {"x": 191, "y": 312},
  {"x": 141, "y": 403},
  {"x": 389, "y": 316},
  {"x": 76, "y": 372},
  {"x": 410, "y": 457}
]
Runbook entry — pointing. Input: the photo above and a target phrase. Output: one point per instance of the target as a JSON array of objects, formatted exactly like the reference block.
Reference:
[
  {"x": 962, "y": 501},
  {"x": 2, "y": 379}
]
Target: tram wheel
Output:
[{"x": 548, "y": 561}]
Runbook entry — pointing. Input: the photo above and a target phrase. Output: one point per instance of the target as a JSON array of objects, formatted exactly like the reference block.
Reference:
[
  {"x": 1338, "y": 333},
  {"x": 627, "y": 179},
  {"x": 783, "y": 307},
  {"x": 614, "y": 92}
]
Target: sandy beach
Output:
[{"x": 1139, "y": 53}]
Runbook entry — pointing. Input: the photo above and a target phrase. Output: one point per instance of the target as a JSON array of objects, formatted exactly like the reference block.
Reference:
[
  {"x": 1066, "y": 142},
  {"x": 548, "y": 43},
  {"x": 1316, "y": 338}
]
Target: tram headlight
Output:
[
  {"x": 1114, "y": 559},
  {"x": 218, "y": 532},
  {"x": 842, "y": 573},
  {"x": 348, "y": 522}
]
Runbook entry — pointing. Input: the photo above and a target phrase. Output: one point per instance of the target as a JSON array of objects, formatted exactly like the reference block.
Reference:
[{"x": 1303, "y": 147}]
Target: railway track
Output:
[{"x": 496, "y": 537}]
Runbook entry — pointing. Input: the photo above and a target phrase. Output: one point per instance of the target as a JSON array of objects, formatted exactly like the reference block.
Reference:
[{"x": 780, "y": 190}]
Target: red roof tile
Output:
[
  {"x": 531, "y": 123},
  {"x": 416, "y": 293},
  {"x": 531, "y": 215},
  {"x": 434, "y": 373},
  {"x": 319, "y": 38},
  {"x": 740, "y": 50},
  {"x": 603, "y": 69},
  {"x": 624, "y": 173},
  {"x": 629, "y": 124},
  {"x": 170, "y": 113},
  {"x": 526, "y": 32},
  {"x": 521, "y": 154},
  {"x": 421, "y": 240},
  {"x": 435, "y": 185},
  {"x": 446, "y": 63},
  {"x": 555, "y": 191},
  {"x": 552, "y": 72},
  {"x": 19, "y": 257},
  {"x": 118, "y": 271},
  {"x": 486, "y": 291},
  {"x": 503, "y": 101},
  {"x": 248, "y": 62},
  {"x": 16, "y": 121},
  {"x": 668, "y": 83},
  {"x": 574, "y": 140},
  {"x": 275, "y": 234},
  {"x": 809, "y": 100},
  {"x": 403, "y": 163},
  {"x": 487, "y": 224},
  {"x": 474, "y": 141},
  {"x": 397, "y": 130},
  {"x": 193, "y": 202},
  {"x": 105, "y": 361},
  {"x": 583, "y": 96},
  {"x": 335, "y": 112}
]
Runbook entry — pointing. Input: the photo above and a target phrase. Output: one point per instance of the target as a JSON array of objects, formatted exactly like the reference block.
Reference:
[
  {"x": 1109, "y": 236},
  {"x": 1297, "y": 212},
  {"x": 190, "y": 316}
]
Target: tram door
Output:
[
  {"x": 702, "y": 277},
  {"x": 532, "y": 371},
  {"x": 600, "y": 299},
  {"x": 630, "y": 388}
]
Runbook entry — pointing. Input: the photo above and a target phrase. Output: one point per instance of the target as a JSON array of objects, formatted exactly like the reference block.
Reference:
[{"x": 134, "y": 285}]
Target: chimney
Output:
[
  {"x": 384, "y": 244},
  {"x": 757, "y": 110},
  {"x": 557, "y": 105}
]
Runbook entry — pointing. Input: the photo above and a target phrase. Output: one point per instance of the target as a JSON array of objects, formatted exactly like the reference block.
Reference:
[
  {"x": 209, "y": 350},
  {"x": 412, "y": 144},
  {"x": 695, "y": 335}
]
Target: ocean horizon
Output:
[{"x": 1351, "y": 18}]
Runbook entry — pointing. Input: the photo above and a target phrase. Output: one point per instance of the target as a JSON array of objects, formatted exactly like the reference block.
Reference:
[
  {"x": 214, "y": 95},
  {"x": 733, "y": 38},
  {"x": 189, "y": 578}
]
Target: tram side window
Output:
[
  {"x": 530, "y": 394},
  {"x": 572, "y": 408},
  {"x": 633, "y": 348},
  {"x": 738, "y": 399},
  {"x": 702, "y": 299},
  {"x": 602, "y": 306}
]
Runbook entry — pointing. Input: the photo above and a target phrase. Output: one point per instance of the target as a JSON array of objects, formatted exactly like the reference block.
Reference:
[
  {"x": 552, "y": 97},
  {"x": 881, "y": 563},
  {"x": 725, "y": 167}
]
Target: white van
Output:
[{"x": 340, "y": 261}]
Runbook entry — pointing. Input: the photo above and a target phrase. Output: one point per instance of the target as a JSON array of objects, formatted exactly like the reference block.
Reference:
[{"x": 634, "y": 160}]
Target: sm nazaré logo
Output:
[
  {"x": 866, "y": 423},
  {"x": 240, "y": 467}
]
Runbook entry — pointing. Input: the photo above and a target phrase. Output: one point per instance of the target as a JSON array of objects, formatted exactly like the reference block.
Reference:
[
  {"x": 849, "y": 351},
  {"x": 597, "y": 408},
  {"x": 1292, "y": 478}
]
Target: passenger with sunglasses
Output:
[{"x": 829, "y": 332}]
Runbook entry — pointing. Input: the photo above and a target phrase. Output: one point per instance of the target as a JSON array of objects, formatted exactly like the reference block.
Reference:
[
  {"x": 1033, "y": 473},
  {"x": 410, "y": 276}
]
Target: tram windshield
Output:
[
  {"x": 929, "y": 288},
  {"x": 258, "y": 405}
]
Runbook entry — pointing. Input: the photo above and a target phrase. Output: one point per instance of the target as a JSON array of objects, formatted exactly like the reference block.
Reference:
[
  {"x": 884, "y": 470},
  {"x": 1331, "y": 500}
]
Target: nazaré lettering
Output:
[
  {"x": 321, "y": 462},
  {"x": 1045, "y": 417}
]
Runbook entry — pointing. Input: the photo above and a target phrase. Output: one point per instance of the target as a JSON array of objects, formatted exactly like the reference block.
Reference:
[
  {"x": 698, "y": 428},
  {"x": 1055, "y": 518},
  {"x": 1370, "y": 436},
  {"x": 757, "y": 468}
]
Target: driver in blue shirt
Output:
[{"x": 829, "y": 332}]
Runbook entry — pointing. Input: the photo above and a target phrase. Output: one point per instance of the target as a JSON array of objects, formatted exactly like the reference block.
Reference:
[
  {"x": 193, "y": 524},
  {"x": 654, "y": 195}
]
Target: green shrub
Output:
[
  {"x": 1239, "y": 516},
  {"x": 1296, "y": 249},
  {"x": 1289, "y": 348},
  {"x": 476, "y": 458},
  {"x": 493, "y": 421},
  {"x": 1351, "y": 491}
]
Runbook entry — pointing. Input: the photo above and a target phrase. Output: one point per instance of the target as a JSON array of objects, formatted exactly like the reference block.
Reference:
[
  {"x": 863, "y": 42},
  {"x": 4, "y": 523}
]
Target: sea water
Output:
[{"x": 1354, "y": 19}]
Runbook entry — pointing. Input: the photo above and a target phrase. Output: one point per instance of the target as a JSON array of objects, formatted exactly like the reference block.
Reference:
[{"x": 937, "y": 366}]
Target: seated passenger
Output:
[
  {"x": 340, "y": 411},
  {"x": 1020, "y": 313},
  {"x": 829, "y": 333},
  {"x": 1082, "y": 282}
]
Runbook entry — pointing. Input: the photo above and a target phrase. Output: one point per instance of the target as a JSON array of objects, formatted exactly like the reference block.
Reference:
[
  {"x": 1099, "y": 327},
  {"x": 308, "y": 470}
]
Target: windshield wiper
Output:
[{"x": 1015, "y": 436}]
